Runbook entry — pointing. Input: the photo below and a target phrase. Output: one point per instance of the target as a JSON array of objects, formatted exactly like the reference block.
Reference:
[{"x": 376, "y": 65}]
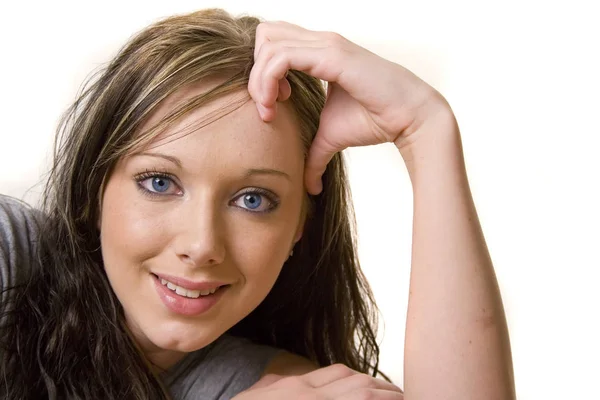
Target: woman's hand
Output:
[
  {"x": 369, "y": 100},
  {"x": 328, "y": 383},
  {"x": 456, "y": 331}
]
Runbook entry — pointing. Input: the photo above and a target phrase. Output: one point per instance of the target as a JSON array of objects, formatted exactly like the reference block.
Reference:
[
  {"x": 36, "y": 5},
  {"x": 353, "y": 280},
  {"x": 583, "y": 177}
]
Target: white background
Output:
[{"x": 523, "y": 80}]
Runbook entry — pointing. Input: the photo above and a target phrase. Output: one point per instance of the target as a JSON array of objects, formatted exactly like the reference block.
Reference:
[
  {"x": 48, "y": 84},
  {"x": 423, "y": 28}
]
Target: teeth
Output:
[{"x": 194, "y": 294}]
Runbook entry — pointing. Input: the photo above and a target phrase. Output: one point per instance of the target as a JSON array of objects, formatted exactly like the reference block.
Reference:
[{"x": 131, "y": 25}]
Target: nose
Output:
[{"x": 199, "y": 240}]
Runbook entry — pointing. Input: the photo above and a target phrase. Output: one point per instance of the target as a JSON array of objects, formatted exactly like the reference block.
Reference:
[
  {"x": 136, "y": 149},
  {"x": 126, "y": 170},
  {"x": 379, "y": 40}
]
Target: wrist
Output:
[
  {"x": 434, "y": 150},
  {"x": 434, "y": 118}
]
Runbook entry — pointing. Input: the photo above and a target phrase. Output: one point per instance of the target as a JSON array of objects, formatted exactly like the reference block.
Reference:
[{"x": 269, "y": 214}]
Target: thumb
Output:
[{"x": 320, "y": 153}]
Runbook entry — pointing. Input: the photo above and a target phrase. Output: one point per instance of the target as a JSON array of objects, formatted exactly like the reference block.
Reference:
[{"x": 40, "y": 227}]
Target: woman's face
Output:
[{"x": 201, "y": 209}]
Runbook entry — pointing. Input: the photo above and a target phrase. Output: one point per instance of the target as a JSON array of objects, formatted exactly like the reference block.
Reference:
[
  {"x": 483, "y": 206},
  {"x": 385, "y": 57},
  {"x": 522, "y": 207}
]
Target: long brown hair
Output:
[{"x": 321, "y": 306}]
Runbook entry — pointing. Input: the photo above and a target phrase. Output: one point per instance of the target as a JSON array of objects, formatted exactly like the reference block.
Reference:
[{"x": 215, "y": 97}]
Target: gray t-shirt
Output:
[{"x": 219, "y": 371}]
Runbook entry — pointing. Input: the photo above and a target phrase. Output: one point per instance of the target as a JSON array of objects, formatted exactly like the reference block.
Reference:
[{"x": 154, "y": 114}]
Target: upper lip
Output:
[{"x": 191, "y": 285}]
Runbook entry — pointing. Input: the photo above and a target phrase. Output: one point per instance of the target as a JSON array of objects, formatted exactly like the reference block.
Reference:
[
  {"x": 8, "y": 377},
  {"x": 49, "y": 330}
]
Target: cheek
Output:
[
  {"x": 128, "y": 232},
  {"x": 260, "y": 251},
  {"x": 259, "y": 247}
]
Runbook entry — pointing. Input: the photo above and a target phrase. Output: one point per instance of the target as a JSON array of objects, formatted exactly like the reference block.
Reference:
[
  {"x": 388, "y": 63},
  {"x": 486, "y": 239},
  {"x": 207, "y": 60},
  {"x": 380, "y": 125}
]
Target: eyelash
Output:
[
  {"x": 151, "y": 174},
  {"x": 148, "y": 174},
  {"x": 271, "y": 198}
]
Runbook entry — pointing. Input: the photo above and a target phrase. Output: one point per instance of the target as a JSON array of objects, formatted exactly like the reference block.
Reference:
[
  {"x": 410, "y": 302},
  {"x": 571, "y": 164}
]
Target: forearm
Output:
[{"x": 457, "y": 344}]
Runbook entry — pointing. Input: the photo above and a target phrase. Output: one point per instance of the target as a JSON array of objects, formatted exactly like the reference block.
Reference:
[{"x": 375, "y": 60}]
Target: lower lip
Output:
[{"x": 185, "y": 305}]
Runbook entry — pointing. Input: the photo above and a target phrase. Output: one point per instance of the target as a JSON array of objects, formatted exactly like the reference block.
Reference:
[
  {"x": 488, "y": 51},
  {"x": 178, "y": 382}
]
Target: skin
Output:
[
  {"x": 200, "y": 228},
  {"x": 457, "y": 344}
]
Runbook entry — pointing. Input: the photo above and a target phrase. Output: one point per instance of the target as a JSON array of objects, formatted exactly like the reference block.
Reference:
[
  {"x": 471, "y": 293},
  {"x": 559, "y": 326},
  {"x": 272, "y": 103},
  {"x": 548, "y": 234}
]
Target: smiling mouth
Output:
[{"x": 188, "y": 293}]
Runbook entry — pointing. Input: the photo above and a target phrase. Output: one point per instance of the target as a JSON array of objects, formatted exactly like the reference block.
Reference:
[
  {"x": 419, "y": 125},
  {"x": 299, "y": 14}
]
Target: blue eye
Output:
[
  {"x": 252, "y": 201},
  {"x": 160, "y": 184},
  {"x": 257, "y": 201},
  {"x": 153, "y": 183}
]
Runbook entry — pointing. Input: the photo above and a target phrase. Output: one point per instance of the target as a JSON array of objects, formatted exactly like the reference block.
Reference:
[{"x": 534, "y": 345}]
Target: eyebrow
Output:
[
  {"x": 172, "y": 159},
  {"x": 250, "y": 172},
  {"x": 267, "y": 171}
]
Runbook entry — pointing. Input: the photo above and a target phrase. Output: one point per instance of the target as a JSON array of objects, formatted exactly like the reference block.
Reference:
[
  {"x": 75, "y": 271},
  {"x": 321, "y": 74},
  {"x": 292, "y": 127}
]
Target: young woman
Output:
[{"x": 196, "y": 236}]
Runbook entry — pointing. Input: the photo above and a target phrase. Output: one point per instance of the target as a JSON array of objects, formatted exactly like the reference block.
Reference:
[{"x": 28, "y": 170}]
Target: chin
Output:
[{"x": 183, "y": 338}]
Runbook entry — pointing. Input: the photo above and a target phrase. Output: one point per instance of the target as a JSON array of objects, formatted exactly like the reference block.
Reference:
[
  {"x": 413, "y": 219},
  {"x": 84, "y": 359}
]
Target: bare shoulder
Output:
[{"x": 288, "y": 364}]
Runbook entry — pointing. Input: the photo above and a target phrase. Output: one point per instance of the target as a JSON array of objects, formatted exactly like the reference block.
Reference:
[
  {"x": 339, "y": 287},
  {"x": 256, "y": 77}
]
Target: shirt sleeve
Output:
[
  {"x": 19, "y": 226},
  {"x": 220, "y": 371}
]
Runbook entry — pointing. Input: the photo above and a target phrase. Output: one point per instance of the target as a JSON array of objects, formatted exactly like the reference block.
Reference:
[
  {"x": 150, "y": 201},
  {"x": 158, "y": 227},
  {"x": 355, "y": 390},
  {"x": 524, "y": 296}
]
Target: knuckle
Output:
[
  {"x": 280, "y": 57},
  {"x": 365, "y": 381},
  {"x": 365, "y": 394},
  {"x": 337, "y": 55},
  {"x": 334, "y": 39},
  {"x": 339, "y": 368},
  {"x": 262, "y": 28},
  {"x": 269, "y": 48}
]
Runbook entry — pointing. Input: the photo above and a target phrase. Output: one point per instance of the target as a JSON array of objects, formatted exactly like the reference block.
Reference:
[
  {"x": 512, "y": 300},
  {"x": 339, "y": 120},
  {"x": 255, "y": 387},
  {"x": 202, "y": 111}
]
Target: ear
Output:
[
  {"x": 302, "y": 222},
  {"x": 299, "y": 232},
  {"x": 297, "y": 236}
]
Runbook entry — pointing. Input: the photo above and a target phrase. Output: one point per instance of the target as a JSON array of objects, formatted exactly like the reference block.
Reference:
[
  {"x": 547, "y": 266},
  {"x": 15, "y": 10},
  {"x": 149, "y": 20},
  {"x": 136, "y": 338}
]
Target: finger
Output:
[
  {"x": 374, "y": 394},
  {"x": 319, "y": 155},
  {"x": 279, "y": 88},
  {"x": 311, "y": 57},
  {"x": 357, "y": 382},
  {"x": 270, "y": 66},
  {"x": 269, "y": 113},
  {"x": 326, "y": 375},
  {"x": 285, "y": 90},
  {"x": 280, "y": 30}
]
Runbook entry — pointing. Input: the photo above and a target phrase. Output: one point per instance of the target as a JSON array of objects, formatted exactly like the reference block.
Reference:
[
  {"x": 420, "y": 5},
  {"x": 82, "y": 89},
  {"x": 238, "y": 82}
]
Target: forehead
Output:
[{"x": 228, "y": 130}]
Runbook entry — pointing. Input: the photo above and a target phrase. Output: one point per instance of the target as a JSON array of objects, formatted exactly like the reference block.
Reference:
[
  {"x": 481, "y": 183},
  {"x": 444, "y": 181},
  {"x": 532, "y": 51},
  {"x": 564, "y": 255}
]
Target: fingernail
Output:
[{"x": 261, "y": 110}]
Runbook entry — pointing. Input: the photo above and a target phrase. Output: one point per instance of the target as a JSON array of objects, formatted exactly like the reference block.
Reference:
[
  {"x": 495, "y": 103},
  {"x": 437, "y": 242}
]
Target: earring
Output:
[{"x": 292, "y": 252}]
